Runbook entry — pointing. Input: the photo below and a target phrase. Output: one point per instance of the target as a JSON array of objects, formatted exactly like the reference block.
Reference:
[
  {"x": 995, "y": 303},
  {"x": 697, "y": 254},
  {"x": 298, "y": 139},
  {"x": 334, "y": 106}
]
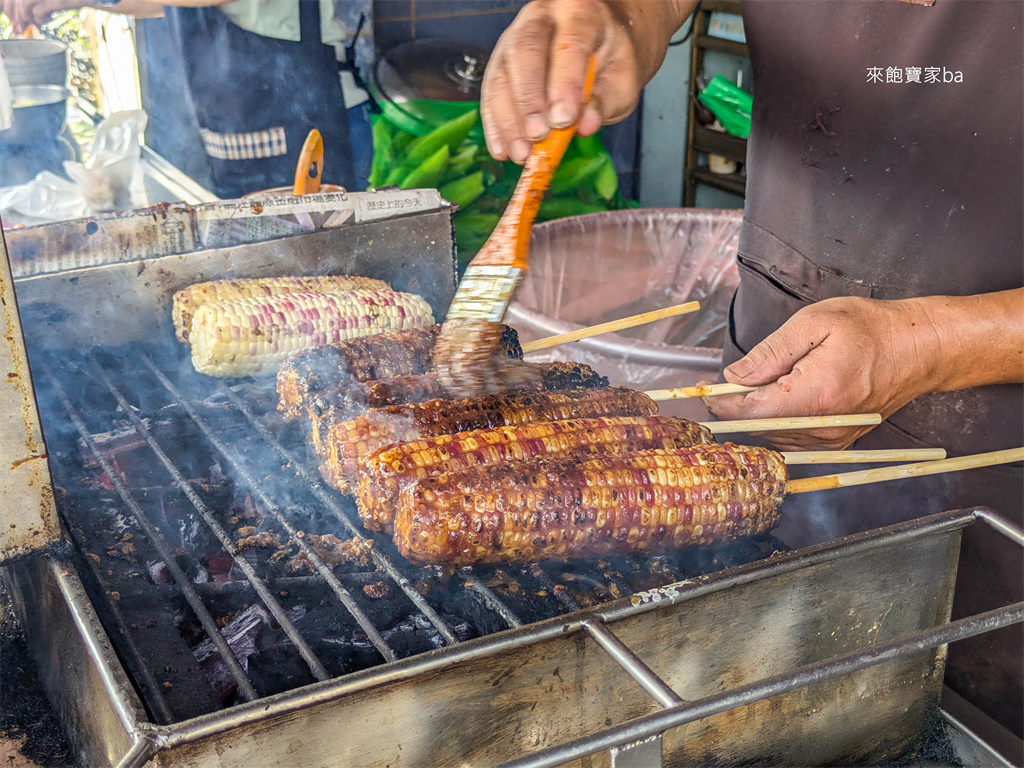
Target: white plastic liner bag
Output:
[{"x": 591, "y": 269}]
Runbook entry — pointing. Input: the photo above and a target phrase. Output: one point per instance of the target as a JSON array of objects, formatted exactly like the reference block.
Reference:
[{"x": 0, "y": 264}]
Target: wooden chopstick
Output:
[
  {"x": 610, "y": 327},
  {"x": 793, "y": 422},
  {"x": 706, "y": 390},
  {"x": 902, "y": 471},
  {"x": 866, "y": 457}
]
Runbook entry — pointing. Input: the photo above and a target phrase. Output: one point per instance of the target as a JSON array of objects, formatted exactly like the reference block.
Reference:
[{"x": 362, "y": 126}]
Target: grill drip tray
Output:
[{"x": 240, "y": 594}]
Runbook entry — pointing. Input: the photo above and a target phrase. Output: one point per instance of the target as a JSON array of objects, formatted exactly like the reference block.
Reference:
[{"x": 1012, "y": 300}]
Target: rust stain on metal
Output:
[
  {"x": 18, "y": 462},
  {"x": 32, "y": 507}
]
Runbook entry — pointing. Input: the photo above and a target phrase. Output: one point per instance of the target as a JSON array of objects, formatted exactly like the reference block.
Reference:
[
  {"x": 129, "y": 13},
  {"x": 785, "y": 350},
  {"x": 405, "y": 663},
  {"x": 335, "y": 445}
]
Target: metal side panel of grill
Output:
[
  {"x": 505, "y": 697},
  {"x": 116, "y": 303},
  {"x": 555, "y": 683}
]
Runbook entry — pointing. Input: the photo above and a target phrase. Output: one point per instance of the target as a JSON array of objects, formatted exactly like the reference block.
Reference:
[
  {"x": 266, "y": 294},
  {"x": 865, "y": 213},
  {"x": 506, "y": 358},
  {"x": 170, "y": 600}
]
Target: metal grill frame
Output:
[
  {"x": 109, "y": 726},
  {"x": 115, "y": 730},
  {"x": 626, "y": 742},
  {"x": 306, "y": 475}
]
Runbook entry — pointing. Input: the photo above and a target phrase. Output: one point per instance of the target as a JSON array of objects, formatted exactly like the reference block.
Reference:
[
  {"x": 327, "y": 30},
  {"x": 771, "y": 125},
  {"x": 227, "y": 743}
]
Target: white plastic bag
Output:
[
  {"x": 106, "y": 176},
  {"x": 591, "y": 269},
  {"x": 102, "y": 183},
  {"x": 46, "y": 198}
]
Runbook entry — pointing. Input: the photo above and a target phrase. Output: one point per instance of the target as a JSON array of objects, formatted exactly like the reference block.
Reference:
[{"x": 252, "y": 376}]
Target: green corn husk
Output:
[
  {"x": 476, "y": 225},
  {"x": 573, "y": 173},
  {"x": 450, "y": 135},
  {"x": 428, "y": 173},
  {"x": 606, "y": 182},
  {"x": 394, "y": 176},
  {"x": 464, "y": 191},
  {"x": 471, "y": 232},
  {"x": 389, "y": 145},
  {"x": 382, "y": 152},
  {"x": 463, "y": 162},
  {"x": 561, "y": 207}
]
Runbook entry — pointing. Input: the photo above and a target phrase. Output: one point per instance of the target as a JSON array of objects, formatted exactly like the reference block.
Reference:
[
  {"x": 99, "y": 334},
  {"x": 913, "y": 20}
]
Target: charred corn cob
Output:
[
  {"x": 417, "y": 388},
  {"x": 381, "y": 476},
  {"x": 348, "y": 442},
  {"x": 357, "y": 398},
  {"x": 312, "y": 379},
  {"x": 187, "y": 301},
  {"x": 244, "y": 337},
  {"x": 533, "y": 510}
]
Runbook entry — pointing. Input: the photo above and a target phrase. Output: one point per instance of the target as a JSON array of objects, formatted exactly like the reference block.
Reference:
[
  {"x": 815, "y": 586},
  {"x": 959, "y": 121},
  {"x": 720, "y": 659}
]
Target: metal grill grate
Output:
[{"x": 105, "y": 393}]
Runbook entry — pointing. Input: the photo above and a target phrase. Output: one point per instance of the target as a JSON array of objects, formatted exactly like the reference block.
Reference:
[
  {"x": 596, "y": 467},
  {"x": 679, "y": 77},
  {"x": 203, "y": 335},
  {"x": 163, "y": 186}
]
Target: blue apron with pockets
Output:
[{"x": 256, "y": 99}]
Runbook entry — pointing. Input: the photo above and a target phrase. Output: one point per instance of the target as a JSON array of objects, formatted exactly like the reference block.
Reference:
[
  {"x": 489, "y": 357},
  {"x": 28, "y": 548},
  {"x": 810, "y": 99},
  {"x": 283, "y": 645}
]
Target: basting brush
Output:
[{"x": 464, "y": 356}]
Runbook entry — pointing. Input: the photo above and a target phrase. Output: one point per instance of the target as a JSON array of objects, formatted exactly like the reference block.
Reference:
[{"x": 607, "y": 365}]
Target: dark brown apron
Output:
[{"x": 861, "y": 183}]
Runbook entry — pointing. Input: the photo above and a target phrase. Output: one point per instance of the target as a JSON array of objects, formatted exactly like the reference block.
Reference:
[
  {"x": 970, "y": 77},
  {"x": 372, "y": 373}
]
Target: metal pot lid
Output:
[{"x": 437, "y": 70}]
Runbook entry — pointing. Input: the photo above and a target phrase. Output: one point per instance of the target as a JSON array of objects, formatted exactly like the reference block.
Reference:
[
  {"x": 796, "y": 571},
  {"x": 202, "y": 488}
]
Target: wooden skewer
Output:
[
  {"x": 793, "y": 422},
  {"x": 904, "y": 470},
  {"x": 866, "y": 457},
  {"x": 706, "y": 390},
  {"x": 610, "y": 327}
]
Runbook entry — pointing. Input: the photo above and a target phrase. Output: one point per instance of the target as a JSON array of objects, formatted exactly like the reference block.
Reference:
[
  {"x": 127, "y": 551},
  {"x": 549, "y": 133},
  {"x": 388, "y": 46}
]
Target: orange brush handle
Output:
[
  {"x": 310, "y": 167},
  {"x": 509, "y": 244}
]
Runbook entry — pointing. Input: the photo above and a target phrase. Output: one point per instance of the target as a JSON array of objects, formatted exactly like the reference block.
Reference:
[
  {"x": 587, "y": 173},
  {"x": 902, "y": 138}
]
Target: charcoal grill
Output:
[{"x": 163, "y": 641}]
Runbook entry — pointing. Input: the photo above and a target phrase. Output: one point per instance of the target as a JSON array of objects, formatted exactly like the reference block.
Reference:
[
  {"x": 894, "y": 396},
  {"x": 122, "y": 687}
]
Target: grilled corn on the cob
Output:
[
  {"x": 532, "y": 510},
  {"x": 244, "y": 337},
  {"x": 187, "y": 301},
  {"x": 348, "y": 442},
  {"x": 382, "y": 475},
  {"x": 357, "y": 397}
]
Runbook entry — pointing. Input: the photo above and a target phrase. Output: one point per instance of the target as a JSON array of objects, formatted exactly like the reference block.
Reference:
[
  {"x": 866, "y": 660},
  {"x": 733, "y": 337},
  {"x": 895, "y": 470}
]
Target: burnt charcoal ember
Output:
[
  {"x": 935, "y": 748},
  {"x": 115, "y": 441},
  {"x": 462, "y": 600},
  {"x": 276, "y": 665},
  {"x": 25, "y": 714},
  {"x": 417, "y": 635},
  {"x": 255, "y": 558},
  {"x": 277, "y": 668},
  {"x": 241, "y": 634},
  {"x": 160, "y": 573}
]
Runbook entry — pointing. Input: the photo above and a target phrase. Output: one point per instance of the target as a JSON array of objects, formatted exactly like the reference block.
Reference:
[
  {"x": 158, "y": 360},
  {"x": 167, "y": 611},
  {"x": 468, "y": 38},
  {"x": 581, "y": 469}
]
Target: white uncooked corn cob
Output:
[
  {"x": 188, "y": 300},
  {"x": 253, "y": 336}
]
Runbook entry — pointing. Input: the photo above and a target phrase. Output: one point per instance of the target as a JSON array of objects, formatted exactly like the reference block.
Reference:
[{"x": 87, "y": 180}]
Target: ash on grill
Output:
[{"x": 253, "y": 475}]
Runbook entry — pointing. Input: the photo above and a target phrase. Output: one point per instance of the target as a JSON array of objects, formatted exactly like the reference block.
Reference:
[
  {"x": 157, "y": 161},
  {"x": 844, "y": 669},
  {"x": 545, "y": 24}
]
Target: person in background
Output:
[
  {"x": 260, "y": 75},
  {"x": 882, "y": 251}
]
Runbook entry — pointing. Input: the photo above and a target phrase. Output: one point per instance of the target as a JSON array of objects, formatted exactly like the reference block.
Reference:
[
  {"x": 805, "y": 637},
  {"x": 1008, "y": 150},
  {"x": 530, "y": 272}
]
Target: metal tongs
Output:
[{"x": 465, "y": 356}]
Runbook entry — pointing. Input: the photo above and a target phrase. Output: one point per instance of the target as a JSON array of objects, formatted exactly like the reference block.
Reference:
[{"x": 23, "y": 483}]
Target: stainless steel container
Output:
[
  {"x": 39, "y": 115},
  {"x": 35, "y": 61}
]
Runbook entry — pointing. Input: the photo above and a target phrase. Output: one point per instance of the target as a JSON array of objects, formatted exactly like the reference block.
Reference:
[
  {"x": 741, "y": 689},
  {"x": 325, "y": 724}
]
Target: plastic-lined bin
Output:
[{"x": 592, "y": 269}]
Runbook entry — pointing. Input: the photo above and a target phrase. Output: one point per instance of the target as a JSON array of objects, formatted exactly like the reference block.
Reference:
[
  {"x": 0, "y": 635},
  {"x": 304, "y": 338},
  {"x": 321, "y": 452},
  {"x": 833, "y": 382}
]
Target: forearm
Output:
[
  {"x": 150, "y": 8},
  {"x": 651, "y": 24},
  {"x": 140, "y": 9},
  {"x": 972, "y": 341}
]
